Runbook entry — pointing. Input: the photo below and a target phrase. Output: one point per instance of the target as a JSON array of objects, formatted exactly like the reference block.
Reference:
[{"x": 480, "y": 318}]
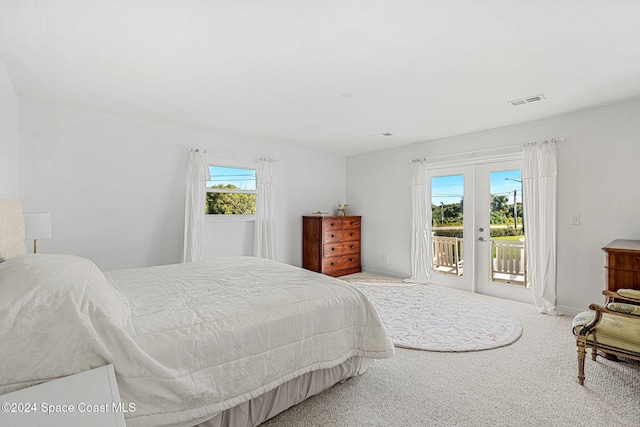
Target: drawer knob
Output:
[
  {"x": 333, "y": 263},
  {"x": 333, "y": 249}
]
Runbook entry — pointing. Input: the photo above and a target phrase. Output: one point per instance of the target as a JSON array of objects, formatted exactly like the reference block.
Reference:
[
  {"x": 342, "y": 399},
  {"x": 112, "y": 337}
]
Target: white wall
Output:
[
  {"x": 9, "y": 128},
  {"x": 599, "y": 179},
  {"x": 115, "y": 186}
]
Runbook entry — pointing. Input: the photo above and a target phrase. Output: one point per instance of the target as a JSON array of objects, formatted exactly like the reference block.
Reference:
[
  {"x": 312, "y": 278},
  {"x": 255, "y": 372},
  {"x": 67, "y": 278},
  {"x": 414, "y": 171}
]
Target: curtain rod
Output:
[
  {"x": 245, "y": 157},
  {"x": 424, "y": 159},
  {"x": 233, "y": 155}
]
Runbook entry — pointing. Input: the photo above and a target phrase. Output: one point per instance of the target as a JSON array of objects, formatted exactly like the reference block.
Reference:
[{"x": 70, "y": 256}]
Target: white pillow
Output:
[{"x": 59, "y": 316}]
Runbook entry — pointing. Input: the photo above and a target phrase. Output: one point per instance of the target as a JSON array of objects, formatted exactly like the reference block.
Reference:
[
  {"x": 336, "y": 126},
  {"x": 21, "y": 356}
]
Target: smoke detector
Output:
[{"x": 527, "y": 100}]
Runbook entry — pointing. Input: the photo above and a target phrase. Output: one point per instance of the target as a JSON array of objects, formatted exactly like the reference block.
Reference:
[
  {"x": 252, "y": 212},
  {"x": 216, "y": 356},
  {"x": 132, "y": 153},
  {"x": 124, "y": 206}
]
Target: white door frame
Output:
[
  {"x": 484, "y": 284},
  {"x": 466, "y": 282},
  {"x": 476, "y": 276}
]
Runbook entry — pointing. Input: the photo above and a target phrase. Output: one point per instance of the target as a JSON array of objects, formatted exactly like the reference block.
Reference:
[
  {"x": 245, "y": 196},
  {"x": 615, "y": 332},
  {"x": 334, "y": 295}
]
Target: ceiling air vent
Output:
[{"x": 527, "y": 100}]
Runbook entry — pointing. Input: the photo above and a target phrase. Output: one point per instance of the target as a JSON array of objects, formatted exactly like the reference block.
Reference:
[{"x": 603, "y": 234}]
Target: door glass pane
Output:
[
  {"x": 508, "y": 258},
  {"x": 447, "y": 194}
]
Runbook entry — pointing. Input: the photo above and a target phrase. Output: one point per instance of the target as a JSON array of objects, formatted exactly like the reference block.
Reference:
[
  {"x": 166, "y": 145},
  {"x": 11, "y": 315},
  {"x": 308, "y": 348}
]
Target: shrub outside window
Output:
[{"x": 231, "y": 191}]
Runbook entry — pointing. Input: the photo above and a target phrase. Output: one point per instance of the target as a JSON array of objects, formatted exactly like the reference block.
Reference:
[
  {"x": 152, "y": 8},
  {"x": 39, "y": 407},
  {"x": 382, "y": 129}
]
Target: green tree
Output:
[
  {"x": 498, "y": 217},
  {"x": 230, "y": 203},
  {"x": 499, "y": 203},
  {"x": 452, "y": 214}
]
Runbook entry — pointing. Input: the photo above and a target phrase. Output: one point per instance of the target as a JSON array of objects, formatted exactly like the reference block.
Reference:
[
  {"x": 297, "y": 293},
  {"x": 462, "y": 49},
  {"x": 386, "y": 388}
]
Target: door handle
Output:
[{"x": 481, "y": 239}]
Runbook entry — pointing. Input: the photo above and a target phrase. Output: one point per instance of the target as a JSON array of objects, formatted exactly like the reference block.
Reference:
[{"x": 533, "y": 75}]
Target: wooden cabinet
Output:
[
  {"x": 622, "y": 264},
  {"x": 331, "y": 244}
]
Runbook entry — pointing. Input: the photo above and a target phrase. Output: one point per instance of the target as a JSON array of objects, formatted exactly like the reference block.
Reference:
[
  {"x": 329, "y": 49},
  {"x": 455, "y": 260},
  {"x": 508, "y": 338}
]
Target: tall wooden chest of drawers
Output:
[
  {"x": 331, "y": 244},
  {"x": 623, "y": 264}
]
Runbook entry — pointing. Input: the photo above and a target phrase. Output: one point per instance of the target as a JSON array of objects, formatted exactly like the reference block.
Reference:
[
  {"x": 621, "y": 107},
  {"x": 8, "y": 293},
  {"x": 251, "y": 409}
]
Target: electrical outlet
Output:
[
  {"x": 574, "y": 219},
  {"x": 385, "y": 257}
]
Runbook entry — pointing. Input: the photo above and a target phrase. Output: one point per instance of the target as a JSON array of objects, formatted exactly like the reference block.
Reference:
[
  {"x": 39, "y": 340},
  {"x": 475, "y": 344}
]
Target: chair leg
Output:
[{"x": 582, "y": 352}]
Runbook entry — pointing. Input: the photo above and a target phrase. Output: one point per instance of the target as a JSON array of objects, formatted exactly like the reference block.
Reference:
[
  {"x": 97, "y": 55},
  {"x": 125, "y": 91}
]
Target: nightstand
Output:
[{"x": 90, "y": 398}]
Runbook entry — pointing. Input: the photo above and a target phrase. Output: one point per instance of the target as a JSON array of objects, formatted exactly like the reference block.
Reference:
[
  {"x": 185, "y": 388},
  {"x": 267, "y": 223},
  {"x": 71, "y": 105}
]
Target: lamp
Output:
[{"x": 37, "y": 226}]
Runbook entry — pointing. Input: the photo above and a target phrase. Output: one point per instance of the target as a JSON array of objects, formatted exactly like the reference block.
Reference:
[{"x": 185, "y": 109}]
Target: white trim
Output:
[
  {"x": 223, "y": 217},
  {"x": 383, "y": 273},
  {"x": 232, "y": 163},
  {"x": 569, "y": 311},
  {"x": 230, "y": 191},
  {"x": 474, "y": 161}
]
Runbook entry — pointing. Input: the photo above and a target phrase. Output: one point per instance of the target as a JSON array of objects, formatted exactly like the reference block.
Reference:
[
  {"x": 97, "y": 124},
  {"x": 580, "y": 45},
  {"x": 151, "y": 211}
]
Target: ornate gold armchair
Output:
[{"x": 613, "y": 329}]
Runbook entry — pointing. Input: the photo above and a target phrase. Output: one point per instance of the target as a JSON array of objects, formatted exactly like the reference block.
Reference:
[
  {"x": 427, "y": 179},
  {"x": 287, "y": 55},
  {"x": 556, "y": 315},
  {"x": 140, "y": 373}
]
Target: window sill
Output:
[{"x": 228, "y": 218}]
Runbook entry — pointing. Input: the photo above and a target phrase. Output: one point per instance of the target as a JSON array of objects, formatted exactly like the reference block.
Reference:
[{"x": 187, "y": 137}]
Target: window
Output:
[{"x": 231, "y": 191}]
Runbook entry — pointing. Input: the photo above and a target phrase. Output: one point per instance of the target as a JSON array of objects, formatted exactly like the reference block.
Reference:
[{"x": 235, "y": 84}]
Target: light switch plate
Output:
[{"x": 574, "y": 219}]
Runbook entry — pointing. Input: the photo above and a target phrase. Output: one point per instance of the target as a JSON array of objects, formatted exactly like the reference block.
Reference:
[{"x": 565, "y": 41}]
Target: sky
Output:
[
  {"x": 449, "y": 189},
  {"x": 244, "y": 179}
]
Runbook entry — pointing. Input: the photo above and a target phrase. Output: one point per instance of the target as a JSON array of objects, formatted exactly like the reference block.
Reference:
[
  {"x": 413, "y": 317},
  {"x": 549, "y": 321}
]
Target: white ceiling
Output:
[{"x": 277, "y": 70}]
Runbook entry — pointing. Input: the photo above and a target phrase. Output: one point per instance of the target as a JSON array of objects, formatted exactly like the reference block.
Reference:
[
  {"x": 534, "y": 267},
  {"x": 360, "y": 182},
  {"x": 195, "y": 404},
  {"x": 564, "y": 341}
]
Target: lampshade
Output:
[{"x": 37, "y": 225}]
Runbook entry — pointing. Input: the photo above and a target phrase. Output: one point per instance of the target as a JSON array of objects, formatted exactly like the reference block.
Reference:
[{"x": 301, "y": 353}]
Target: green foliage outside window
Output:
[
  {"x": 501, "y": 213},
  {"x": 452, "y": 215},
  {"x": 230, "y": 203}
]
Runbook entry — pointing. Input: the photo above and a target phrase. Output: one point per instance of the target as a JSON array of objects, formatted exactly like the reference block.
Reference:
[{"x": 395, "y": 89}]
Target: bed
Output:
[{"x": 227, "y": 342}]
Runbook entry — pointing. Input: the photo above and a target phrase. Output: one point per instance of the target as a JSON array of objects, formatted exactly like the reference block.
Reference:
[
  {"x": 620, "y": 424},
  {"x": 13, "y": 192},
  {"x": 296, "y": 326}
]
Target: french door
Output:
[{"x": 477, "y": 228}]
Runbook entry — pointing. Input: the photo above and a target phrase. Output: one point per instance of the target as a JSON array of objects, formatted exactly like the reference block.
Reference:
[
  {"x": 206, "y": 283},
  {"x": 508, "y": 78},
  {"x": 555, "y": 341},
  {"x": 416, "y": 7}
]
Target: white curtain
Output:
[
  {"x": 197, "y": 178},
  {"x": 539, "y": 189},
  {"x": 264, "y": 245},
  {"x": 421, "y": 225}
]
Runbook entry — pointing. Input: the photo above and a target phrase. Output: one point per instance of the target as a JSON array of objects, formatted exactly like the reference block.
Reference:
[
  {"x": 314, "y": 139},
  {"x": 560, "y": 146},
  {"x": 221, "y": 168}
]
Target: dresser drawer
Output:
[
  {"x": 341, "y": 236},
  {"x": 349, "y": 222},
  {"x": 345, "y": 262},
  {"x": 331, "y": 224},
  {"x": 337, "y": 249},
  {"x": 624, "y": 261}
]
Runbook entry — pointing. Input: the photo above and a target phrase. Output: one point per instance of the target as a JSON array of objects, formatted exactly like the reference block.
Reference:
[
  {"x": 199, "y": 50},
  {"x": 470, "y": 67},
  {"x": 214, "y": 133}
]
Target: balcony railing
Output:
[
  {"x": 447, "y": 255},
  {"x": 508, "y": 259},
  {"x": 508, "y": 262}
]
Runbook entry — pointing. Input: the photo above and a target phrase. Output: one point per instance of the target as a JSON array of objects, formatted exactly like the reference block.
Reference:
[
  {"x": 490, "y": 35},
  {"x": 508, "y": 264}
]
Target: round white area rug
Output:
[{"x": 426, "y": 317}]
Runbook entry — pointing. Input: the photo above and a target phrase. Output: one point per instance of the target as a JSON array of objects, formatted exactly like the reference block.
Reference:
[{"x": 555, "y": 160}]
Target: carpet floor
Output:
[{"x": 532, "y": 382}]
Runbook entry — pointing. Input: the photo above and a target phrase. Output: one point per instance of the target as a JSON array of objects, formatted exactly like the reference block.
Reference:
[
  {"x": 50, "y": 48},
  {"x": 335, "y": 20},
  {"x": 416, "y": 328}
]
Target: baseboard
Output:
[
  {"x": 383, "y": 273},
  {"x": 569, "y": 311}
]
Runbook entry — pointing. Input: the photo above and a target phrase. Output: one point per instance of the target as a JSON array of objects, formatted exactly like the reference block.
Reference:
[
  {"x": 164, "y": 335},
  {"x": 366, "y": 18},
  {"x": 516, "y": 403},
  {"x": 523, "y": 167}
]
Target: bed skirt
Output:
[{"x": 271, "y": 403}]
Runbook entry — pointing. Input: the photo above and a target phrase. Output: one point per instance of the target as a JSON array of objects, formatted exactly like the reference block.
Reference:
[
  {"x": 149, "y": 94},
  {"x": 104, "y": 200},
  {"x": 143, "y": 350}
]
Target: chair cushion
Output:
[
  {"x": 622, "y": 307},
  {"x": 614, "y": 331},
  {"x": 580, "y": 320},
  {"x": 629, "y": 293}
]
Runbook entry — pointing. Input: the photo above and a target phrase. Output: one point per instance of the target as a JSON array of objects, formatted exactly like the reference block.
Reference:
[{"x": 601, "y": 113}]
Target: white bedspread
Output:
[{"x": 187, "y": 340}]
